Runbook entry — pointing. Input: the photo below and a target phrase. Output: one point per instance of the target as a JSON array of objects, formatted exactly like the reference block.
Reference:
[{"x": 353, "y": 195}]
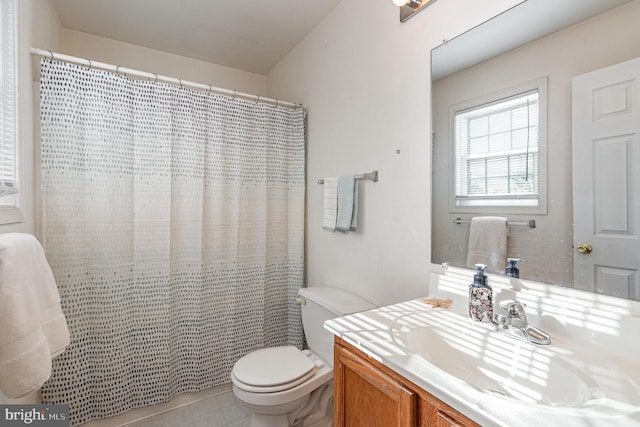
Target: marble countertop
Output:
[{"x": 604, "y": 346}]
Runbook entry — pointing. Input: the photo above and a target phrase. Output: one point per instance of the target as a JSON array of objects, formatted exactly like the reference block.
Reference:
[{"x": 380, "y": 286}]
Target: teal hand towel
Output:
[
  {"x": 354, "y": 214},
  {"x": 347, "y": 203}
]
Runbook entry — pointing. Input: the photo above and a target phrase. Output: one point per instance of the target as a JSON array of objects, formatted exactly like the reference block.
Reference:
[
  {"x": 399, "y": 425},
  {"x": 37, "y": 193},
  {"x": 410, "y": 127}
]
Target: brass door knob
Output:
[{"x": 584, "y": 248}]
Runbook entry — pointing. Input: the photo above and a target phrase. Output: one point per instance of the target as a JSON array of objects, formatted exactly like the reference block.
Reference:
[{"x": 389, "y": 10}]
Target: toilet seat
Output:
[{"x": 273, "y": 369}]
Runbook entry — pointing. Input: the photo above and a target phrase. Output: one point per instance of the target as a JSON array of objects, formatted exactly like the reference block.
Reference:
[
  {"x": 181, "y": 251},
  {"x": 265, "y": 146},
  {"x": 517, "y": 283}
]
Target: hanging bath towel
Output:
[
  {"x": 488, "y": 243},
  {"x": 347, "y": 203},
  {"x": 34, "y": 329}
]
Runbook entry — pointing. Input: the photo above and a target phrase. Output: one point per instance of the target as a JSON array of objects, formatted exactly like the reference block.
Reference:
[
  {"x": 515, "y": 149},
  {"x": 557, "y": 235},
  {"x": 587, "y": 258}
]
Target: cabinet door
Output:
[{"x": 366, "y": 397}]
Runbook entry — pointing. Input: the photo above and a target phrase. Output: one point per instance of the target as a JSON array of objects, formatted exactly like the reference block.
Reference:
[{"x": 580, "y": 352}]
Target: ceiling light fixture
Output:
[{"x": 408, "y": 8}]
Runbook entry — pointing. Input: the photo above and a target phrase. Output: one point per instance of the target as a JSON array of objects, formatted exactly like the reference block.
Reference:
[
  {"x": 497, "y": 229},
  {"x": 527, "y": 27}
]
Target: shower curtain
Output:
[{"x": 173, "y": 221}]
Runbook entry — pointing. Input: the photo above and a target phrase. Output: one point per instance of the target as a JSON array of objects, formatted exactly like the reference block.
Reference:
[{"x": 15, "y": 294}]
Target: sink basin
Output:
[{"x": 554, "y": 376}]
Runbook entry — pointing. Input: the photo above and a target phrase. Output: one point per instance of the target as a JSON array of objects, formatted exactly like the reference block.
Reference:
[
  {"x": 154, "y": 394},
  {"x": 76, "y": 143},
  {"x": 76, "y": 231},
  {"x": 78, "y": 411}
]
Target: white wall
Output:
[
  {"x": 610, "y": 38},
  {"x": 365, "y": 79},
  {"x": 128, "y": 55}
]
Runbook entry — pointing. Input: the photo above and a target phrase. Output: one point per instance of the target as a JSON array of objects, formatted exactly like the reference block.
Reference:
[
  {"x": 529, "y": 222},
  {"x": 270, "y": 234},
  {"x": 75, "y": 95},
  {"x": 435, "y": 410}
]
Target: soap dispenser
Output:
[
  {"x": 512, "y": 270},
  {"x": 480, "y": 297}
]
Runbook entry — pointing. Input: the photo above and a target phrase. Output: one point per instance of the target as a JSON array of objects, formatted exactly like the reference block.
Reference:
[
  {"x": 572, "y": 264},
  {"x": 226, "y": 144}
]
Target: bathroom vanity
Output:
[
  {"x": 410, "y": 364},
  {"x": 367, "y": 393}
]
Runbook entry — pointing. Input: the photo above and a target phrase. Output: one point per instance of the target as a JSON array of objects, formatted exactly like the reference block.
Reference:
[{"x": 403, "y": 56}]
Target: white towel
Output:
[
  {"x": 488, "y": 243},
  {"x": 330, "y": 203},
  {"x": 347, "y": 203},
  {"x": 33, "y": 328}
]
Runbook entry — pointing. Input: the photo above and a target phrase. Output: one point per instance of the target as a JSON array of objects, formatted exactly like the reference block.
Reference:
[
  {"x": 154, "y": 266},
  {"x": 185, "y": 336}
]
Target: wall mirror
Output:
[{"x": 553, "y": 43}]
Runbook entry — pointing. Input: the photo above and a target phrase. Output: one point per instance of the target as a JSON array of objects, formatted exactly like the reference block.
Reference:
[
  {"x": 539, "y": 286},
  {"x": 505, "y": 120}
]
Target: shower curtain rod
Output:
[{"x": 127, "y": 72}]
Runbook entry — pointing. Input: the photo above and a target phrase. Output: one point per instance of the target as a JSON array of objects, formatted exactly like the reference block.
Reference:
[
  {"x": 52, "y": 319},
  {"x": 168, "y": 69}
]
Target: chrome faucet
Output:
[{"x": 512, "y": 319}]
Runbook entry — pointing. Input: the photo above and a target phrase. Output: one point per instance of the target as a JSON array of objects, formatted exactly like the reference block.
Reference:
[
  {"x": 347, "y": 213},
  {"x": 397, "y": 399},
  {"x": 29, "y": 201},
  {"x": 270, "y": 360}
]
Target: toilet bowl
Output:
[
  {"x": 277, "y": 383},
  {"x": 284, "y": 386}
]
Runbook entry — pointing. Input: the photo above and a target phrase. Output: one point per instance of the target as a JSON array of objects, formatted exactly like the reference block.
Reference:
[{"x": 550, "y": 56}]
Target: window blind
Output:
[
  {"x": 8, "y": 185},
  {"x": 497, "y": 151}
]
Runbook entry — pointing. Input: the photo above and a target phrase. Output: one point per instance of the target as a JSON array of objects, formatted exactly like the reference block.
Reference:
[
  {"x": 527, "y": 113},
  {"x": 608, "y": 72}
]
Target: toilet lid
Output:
[{"x": 274, "y": 366}]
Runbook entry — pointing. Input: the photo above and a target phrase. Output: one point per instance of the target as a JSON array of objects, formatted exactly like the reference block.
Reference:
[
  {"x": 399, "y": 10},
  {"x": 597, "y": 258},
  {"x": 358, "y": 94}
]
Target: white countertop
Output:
[{"x": 602, "y": 331}]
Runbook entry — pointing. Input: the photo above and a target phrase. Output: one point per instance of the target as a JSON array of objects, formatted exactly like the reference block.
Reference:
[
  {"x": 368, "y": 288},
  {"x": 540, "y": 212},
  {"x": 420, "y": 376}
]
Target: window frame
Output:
[
  {"x": 12, "y": 213},
  {"x": 499, "y": 205}
]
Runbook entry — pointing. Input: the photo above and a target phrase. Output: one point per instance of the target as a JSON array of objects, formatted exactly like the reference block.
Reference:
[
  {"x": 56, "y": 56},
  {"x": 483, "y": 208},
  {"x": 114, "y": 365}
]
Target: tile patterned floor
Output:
[
  {"x": 222, "y": 410},
  {"x": 215, "y": 407}
]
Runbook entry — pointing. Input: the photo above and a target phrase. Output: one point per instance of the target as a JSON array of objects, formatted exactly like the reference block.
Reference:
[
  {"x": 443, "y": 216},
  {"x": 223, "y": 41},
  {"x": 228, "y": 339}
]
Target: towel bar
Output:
[
  {"x": 531, "y": 223},
  {"x": 371, "y": 176}
]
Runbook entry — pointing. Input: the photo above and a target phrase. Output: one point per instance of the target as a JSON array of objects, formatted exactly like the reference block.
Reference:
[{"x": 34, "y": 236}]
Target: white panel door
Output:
[{"x": 606, "y": 180}]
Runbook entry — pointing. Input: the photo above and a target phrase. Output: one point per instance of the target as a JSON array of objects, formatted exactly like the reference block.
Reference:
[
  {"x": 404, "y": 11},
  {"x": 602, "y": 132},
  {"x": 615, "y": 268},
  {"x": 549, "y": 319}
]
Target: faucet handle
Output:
[
  {"x": 501, "y": 321},
  {"x": 514, "y": 309}
]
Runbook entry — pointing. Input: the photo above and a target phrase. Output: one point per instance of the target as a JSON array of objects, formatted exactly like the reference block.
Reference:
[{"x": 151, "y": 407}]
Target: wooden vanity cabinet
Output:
[{"x": 368, "y": 394}]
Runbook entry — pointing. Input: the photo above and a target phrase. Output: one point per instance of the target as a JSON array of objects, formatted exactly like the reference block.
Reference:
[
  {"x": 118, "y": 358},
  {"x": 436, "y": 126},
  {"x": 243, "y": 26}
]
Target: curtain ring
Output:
[
  {"x": 235, "y": 93},
  {"x": 156, "y": 80},
  {"x": 90, "y": 65},
  {"x": 257, "y": 99},
  {"x": 210, "y": 88},
  {"x": 118, "y": 72},
  {"x": 277, "y": 103},
  {"x": 51, "y": 53},
  {"x": 180, "y": 81}
]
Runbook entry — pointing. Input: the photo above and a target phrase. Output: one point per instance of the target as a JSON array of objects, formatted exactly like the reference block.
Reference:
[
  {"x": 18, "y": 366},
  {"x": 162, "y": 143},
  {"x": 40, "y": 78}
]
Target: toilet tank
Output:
[{"x": 321, "y": 303}]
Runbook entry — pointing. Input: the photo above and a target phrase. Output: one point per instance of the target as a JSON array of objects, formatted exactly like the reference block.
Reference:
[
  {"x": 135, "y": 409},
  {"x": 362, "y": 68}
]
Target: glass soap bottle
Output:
[{"x": 480, "y": 297}]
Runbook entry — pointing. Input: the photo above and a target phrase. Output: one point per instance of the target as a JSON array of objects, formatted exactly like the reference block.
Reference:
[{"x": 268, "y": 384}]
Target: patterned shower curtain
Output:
[{"x": 173, "y": 221}]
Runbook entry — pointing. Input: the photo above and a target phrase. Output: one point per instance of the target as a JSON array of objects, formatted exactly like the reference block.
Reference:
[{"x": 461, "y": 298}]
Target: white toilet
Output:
[{"x": 284, "y": 386}]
